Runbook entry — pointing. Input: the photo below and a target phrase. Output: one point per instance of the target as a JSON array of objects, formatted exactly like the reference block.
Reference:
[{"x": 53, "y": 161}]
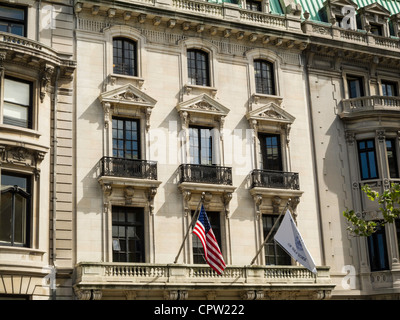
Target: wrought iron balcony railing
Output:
[
  {"x": 205, "y": 174},
  {"x": 129, "y": 168},
  {"x": 275, "y": 179}
]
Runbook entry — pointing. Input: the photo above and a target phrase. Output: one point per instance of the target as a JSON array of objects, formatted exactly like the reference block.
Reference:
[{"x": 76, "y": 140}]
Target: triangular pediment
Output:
[
  {"x": 203, "y": 104},
  {"x": 271, "y": 113},
  {"x": 341, "y": 3},
  {"x": 376, "y": 8},
  {"x": 127, "y": 95}
]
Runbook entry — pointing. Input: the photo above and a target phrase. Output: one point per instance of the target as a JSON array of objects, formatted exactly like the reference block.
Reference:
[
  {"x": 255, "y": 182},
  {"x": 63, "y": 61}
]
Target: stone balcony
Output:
[
  {"x": 162, "y": 280},
  {"x": 362, "y": 106}
]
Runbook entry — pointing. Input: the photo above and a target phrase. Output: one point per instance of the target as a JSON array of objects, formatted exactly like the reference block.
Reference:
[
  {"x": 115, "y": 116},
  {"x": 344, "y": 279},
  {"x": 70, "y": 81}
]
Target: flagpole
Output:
[
  {"x": 270, "y": 232},
  {"x": 190, "y": 225}
]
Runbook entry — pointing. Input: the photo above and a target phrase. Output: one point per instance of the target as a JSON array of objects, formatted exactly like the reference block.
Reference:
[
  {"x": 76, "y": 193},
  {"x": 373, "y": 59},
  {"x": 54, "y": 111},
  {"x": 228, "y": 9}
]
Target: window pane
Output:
[
  {"x": 274, "y": 254},
  {"x": 14, "y": 209},
  {"x": 5, "y": 216},
  {"x": 15, "y": 115},
  {"x": 264, "y": 77},
  {"x": 17, "y": 92},
  {"x": 124, "y": 57},
  {"x": 20, "y": 219},
  {"x": 198, "y": 73},
  {"x": 378, "y": 251},
  {"x": 367, "y": 158},
  {"x": 12, "y": 13},
  {"x": 392, "y": 158}
]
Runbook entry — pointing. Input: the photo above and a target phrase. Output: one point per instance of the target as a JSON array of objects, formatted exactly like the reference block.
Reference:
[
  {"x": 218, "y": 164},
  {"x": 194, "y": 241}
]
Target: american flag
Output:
[{"x": 212, "y": 252}]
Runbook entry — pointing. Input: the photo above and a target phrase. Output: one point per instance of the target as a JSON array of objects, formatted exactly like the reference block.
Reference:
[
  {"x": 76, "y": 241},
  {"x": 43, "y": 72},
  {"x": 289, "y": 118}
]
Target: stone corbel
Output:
[
  {"x": 176, "y": 295},
  {"x": 184, "y": 119},
  {"x": 187, "y": 195},
  {"x": 85, "y": 294},
  {"x": 148, "y": 114},
  {"x": 151, "y": 193},
  {"x": 106, "y": 108},
  {"x": 294, "y": 202},
  {"x": 3, "y": 55},
  {"x": 227, "y": 197},
  {"x": 207, "y": 199},
  {"x": 380, "y": 134},
  {"x": 47, "y": 73},
  {"x": 276, "y": 201},
  {"x": 128, "y": 193},
  {"x": 252, "y": 295},
  {"x": 257, "y": 202}
]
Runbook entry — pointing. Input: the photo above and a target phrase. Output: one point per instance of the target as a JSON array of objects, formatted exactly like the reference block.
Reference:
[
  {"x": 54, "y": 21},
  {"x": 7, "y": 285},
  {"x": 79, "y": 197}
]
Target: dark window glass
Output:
[
  {"x": 198, "y": 67},
  {"x": 274, "y": 254},
  {"x": 367, "y": 158},
  {"x": 392, "y": 158},
  {"x": 377, "y": 249},
  {"x": 264, "y": 77},
  {"x": 271, "y": 151},
  {"x": 253, "y": 5},
  {"x": 17, "y": 106},
  {"x": 198, "y": 251},
  {"x": 126, "y": 138},
  {"x": 355, "y": 86},
  {"x": 376, "y": 29},
  {"x": 124, "y": 57},
  {"x": 389, "y": 89},
  {"x": 397, "y": 224},
  {"x": 200, "y": 145},
  {"x": 12, "y": 20},
  {"x": 15, "y": 209},
  {"x": 128, "y": 234}
]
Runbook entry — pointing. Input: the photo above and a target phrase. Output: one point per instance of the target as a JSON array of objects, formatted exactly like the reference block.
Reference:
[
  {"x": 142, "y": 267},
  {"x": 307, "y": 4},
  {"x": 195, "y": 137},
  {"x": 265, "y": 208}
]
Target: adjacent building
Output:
[{"x": 118, "y": 118}]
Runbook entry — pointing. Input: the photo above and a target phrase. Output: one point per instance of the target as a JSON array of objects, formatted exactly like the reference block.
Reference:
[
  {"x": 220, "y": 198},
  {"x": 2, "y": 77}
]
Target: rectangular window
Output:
[
  {"x": 15, "y": 208},
  {"x": 198, "y": 251},
  {"x": 126, "y": 138},
  {"x": 392, "y": 158},
  {"x": 378, "y": 258},
  {"x": 124, "y": 57},
  {"x": 271, "y": 151},
  {"x": 355, "y": 86},
  {"x": 253, "y": 5},
  {"x": 198, "y": 67},
  {"x": 17, "y": 104},
  {"x": 274, "y": 254},
  {"x": 13, "y": 20},
  {"x": 367, "y": 159},
  {"x": 376, "y": 29},
  {"x": 264, "y": 77},
  {"x": 200, "y": 145},
  {"x": 389, "y": 89},
  {"x": 128, "y": 234}
]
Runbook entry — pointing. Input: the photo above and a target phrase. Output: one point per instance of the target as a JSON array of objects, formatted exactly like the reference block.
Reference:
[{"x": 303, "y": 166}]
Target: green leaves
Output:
[{"x": 389, "y": 202}]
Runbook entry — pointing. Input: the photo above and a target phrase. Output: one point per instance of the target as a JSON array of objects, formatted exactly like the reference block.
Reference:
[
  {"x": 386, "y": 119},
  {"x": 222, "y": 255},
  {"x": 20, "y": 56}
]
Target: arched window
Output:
[
  {"x": 198, "y": 67},
  {"x": 264, "y": 76},
  {"x": 14, "y": 210},
  {"x": 124, "y": 57}
]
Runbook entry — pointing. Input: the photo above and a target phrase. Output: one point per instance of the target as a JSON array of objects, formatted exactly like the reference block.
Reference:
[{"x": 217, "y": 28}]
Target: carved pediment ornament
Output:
[
  {"x": 127, "y": 96},
  {"x": 203, "y": 104},
  {"x": 21, "y": 156},
  {"x": 270, "y": 113}
]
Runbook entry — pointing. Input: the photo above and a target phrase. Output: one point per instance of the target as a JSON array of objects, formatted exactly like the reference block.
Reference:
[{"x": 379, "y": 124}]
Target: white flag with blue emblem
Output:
[{"x": 289, "y": 238}]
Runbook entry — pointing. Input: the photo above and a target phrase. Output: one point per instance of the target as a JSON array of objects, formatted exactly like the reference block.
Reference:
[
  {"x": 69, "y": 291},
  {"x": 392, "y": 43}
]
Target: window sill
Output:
[
  {"x": 190, "y": 88},
  {"x": 19, "y": 130},
  {"x": 262, "y": 98},
  {"x": 114, "y": 78}
]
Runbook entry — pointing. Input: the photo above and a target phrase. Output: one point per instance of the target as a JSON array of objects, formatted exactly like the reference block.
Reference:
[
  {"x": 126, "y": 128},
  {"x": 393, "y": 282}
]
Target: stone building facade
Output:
[{"x": 137, "y": 110}]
